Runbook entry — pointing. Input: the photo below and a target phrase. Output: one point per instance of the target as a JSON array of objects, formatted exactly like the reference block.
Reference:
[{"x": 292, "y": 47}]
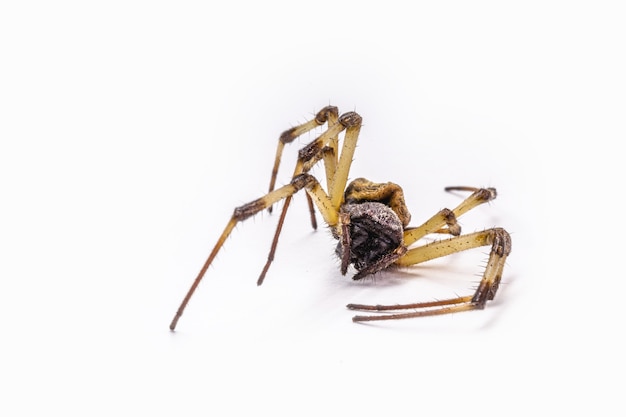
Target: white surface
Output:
[{"x": 130, "y": 130}]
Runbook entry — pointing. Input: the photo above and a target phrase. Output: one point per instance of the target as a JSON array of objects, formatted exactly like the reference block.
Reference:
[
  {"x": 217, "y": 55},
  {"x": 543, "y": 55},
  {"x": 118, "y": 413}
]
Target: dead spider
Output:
[{"x": 370, "y": 220}]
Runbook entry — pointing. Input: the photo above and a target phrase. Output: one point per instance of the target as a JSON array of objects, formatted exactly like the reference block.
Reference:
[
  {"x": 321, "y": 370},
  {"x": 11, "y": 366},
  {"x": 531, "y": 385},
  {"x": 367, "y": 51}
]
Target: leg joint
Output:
[
  {"x": 303, "y": 181},
  {"x": 327, "y": 151},
  {"x": 350, "y": 119},
  {"x": 322, "y": 116},
  {"x": 501, "y": 242},
  {"x": 249, "y": 209},
  {"x": 310, "y": 152},
  {"x": 450, "y": 218},
  {"x": 289, "y": 135},
  {"x": 486, "y": 194}
]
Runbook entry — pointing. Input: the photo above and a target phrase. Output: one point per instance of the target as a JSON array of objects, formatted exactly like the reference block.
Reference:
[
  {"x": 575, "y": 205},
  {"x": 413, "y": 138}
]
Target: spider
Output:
[{"x": 370, "y": 221}]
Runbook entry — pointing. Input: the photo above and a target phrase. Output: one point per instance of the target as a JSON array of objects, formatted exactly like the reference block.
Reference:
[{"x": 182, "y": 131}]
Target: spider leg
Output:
[
  {"x": 352, "y": 122},
  {"x": 382, "y": 263},
  {"x": 329, "y": 156},
  {"x": 500, "y": 242},
  {"x": 299, "y": 182},
  {"x": 323, "y": 148},
  {"x": 448, "y": 217},
  {"x": 328, "y": 114},
  {"x": 316, "y": 195}
]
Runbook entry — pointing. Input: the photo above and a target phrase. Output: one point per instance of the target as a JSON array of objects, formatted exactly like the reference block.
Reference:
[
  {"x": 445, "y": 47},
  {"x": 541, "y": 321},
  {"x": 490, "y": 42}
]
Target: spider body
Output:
[
  {"x": 372, "y": 221},
  {"x": 369, "y": 220}
]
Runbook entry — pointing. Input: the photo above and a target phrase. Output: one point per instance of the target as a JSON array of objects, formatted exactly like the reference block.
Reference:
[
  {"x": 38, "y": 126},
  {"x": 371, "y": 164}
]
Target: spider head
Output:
[{"x": 371, "y": 237}]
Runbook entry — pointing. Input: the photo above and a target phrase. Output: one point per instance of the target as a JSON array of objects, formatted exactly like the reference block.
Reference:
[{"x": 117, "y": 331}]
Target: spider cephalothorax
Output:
[{"x": 370, "y": 220}]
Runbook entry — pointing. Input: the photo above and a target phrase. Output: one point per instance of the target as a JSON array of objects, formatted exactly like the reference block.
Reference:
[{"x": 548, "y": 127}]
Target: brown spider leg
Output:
[
  {"x": 307, "y": 158},
  {"x": 500, "y": 242},
  {"x": 311, "y": 212},
  {"x": 279, "y": 228},
  {"x": 346, "y": 241},
  {"x": 448, "y": 217},
  {"x": 382, "y": 263},
  {"x": 248, "y": 210}
]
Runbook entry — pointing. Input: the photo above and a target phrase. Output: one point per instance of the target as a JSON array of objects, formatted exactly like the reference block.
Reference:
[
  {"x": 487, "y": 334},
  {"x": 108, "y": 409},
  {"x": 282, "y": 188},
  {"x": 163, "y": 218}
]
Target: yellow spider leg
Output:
[
  {"x": 448, "y": 217},
  {"x": 434, "y": 225},
  {"x": 465, "y": 306},
  {"x": 307, "y": 158},
  {"x": 328, "y": 113},
  {"x": 323, "y": 203},
  {"x": 500, "y": 242},
  {"x": 331, "y": 151},
  {"x": 323, "y": 147},
  {"x": 329, "y": 154},
  {"x": 478, "y": 197},
  {"x": 248, "y": 210},
  {"x": 352, "y": 123},
  {"x": 444, "y": 247},
  {"x": 312, "y": 153}
]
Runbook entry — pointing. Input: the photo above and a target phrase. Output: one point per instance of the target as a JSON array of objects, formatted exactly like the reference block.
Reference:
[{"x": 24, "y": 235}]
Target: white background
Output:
[{"x": 130, "y": 130}]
